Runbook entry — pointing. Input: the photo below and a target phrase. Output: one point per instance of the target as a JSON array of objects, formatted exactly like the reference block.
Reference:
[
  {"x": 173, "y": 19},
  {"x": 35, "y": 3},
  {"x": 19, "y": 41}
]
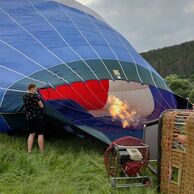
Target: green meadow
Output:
[{"x": 69, "y": 165}]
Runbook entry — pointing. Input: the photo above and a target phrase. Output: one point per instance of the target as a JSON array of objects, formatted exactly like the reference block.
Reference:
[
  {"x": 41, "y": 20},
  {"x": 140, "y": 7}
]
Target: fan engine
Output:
[{"x": 126, "y": 159}]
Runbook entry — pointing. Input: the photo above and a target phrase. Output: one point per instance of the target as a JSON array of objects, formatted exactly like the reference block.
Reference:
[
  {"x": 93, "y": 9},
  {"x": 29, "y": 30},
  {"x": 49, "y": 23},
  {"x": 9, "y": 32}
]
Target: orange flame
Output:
[{"x": 121, "y": 110}]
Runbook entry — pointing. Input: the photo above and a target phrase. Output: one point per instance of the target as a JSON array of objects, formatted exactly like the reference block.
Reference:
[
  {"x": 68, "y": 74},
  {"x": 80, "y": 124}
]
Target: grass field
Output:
[{"x": 69, "y": 166}]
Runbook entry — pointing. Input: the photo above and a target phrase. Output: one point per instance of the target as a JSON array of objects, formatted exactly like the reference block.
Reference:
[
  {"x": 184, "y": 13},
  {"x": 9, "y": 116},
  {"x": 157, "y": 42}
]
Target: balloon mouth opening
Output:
[{"x": 94, "y": 99}]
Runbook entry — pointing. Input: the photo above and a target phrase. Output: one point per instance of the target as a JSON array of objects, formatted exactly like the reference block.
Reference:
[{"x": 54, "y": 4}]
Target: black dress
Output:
[{"x": 33, "y": 113}]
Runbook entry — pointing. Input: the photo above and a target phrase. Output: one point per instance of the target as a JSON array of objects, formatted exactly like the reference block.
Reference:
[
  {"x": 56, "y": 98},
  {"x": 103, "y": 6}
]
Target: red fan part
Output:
[{"x": 131, "y": 167}]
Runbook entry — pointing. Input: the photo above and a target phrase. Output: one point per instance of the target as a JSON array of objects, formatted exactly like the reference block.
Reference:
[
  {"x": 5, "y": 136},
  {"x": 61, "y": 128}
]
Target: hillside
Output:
[{"x": 178, "y": 59}]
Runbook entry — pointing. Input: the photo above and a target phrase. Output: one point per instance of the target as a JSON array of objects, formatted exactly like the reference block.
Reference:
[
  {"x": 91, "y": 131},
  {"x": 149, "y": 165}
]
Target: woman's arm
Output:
[{"x": 40, "y": 104}]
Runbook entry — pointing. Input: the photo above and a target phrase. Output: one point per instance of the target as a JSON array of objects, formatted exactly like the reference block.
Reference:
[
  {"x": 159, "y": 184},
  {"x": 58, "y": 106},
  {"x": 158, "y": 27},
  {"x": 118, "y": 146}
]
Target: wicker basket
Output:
[{"x": 177, "y": 161}]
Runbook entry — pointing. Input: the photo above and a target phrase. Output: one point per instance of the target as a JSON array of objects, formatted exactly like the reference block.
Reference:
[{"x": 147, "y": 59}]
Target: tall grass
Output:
[{"x": 69, "y": 166}]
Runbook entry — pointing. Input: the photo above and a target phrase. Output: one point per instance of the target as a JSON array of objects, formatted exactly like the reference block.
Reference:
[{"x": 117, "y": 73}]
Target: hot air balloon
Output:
[{"x": 88, "y": 74}]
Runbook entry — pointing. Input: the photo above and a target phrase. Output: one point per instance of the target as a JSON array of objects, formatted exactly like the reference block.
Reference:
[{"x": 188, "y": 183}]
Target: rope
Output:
[
  {"x": 40, "y": 44},
  {"x": 151, "y": 77},
  {"x": 12, "y": 70},
  {"x": 46, "y": 19}
]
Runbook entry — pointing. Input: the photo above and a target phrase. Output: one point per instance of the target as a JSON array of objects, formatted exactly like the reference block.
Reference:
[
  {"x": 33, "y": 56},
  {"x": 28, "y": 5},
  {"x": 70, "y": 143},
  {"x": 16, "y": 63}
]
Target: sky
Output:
[{"x": 148, "y": 24}]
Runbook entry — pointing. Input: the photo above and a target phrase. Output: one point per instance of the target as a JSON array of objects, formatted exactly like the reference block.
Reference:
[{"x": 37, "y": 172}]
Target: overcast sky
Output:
[{"x": 148, "y": 24}]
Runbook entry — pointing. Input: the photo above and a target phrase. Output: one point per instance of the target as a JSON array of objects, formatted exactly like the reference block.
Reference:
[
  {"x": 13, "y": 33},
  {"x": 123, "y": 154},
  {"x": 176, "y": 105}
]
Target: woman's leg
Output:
[
  {"x": 41, "y": 142},
  {"x": 30, "y": 142}
]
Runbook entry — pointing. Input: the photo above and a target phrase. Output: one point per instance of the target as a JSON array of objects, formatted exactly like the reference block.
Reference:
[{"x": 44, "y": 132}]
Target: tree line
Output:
[{"x": 176, "y": 64}]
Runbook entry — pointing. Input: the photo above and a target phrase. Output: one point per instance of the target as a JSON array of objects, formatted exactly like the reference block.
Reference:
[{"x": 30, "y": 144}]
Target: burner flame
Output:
[{"x": 121, "y": 110}]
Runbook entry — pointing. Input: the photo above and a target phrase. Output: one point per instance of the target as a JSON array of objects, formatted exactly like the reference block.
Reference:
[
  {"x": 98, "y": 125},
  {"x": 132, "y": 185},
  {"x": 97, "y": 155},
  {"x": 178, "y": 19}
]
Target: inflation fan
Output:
[{"x": 126, "y": 160}]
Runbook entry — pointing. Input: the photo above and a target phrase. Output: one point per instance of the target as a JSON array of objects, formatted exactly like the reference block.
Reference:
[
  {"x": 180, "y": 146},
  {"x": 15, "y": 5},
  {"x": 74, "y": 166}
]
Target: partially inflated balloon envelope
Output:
[{"x": 89, "y": 75}]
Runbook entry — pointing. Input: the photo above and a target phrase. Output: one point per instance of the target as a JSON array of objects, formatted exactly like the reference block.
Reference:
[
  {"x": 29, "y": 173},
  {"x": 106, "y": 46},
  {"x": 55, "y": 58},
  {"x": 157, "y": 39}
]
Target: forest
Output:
[{"x": 176, "y": 64}]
